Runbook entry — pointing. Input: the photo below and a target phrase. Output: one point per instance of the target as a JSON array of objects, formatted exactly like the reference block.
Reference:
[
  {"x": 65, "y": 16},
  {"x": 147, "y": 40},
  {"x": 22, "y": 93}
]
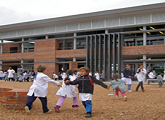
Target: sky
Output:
[{"x": 16, "y": 11}]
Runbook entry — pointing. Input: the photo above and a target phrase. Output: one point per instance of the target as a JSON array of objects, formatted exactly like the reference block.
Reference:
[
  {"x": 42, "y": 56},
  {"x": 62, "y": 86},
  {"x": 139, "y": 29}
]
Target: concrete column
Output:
[
  {"x": 74, "y": 44},
  {"x": 22, "y": 63},
  {"x": 144, "y": 43},
  {"x": 106, "y": 31},
  {"x": 144, "y": 36},
  {"x": 0, "y": 64},
  {"x": 144, "y": 62},
  {"x": 1, "y": 47},
  {"x": 22, "y": 49},
  {"x": 46, "y": 37}
]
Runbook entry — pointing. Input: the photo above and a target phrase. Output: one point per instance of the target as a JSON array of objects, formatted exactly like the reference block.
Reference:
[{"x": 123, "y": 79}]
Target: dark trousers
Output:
[
  {"x": 140, "y": 84},
  {"x": 88, "y": 106},
  {"x": 43, "y": 100}
]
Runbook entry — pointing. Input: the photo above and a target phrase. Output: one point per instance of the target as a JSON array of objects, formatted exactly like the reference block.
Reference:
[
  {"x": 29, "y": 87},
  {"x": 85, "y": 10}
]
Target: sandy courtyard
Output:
[{"x": 148, "y": 105}]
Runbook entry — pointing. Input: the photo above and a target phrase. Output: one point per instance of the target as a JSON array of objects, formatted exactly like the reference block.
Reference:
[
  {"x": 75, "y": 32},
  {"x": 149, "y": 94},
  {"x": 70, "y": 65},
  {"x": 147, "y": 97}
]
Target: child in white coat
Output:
[
  {"x": 141, "y": 75},
  {"x": 39, "y": 89},
  {"x": 67, "y": 91},
  {"x": 97, "y": 75}
]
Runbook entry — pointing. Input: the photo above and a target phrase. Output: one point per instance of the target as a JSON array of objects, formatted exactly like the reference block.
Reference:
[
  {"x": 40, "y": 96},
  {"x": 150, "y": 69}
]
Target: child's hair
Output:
[
  {"x": 68, "y": 72},
  {"x": 115, "y": 76},
  {"x": 159, "y": 73},
  {"x": 21, "y": 74},
  {"x": 41, "y": 68},
  {"x": 85, "y": 68}
]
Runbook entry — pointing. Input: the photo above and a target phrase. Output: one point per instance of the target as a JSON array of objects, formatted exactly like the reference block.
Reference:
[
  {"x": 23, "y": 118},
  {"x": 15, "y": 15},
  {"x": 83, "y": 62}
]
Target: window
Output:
[{"x": 13, "y": 49}]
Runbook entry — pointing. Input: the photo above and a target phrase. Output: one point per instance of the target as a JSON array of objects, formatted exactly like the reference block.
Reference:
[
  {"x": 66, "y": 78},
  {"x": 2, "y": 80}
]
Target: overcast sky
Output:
[{"x": 15, "y": 11}]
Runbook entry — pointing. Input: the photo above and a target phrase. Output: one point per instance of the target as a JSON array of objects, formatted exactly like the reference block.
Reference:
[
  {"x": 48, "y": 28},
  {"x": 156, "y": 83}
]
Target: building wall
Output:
[
  {"x": 17, "y": 56},
  {"x": 6, "y": 47},
  {"x": 45, "y": 51},
  {"x": 141, "y": 50},
  {"x": 71, "y": 53}
]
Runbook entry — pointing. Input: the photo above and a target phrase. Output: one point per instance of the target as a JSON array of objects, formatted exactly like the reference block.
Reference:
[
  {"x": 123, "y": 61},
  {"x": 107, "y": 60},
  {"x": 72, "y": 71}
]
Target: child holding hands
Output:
[
  {"x": 39, "y": 89},
  {"x": 118, "y": 85},
  {"x": 85, "y": 87},
  {"x": 67, "y": 91}
]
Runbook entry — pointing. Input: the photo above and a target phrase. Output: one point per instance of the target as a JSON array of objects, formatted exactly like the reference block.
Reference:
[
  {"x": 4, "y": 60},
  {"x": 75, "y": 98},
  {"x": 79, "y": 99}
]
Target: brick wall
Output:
[
  {"x": 13, "y": 98},
  {"x": 17, "y": 56},
  {"x": 45, "y": 52},
  {"x": 6, "y": 47},
  {"x": 71, "y": 53},
  {"x": 141, "y": 50}
]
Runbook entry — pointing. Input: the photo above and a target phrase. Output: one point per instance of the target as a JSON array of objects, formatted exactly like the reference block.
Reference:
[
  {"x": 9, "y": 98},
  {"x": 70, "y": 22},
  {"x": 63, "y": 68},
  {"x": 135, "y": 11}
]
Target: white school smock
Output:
[
  {"x": 10, "y": 73},
  {"x": 141, "y": 75},
  {"x": 67, "y": 90},
  {"x": 85, "y": 96},
  {"x": 97, "y": 76},
  {"x": 40, "y": 85},
  {"x": 1, "y": 74},
  {"x": 151, "y": 75},
  {"x": 63, "y": 75},
  {"x": 127, "y": 80}
]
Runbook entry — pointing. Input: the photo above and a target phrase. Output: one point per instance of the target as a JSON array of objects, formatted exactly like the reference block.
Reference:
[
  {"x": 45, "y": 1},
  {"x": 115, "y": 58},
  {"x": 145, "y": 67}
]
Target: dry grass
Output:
[{"x": 148, "y": 105}]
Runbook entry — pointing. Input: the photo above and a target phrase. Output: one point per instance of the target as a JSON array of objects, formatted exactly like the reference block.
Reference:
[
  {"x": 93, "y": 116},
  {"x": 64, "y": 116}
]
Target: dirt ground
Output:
[{"x": 148, "y": 105}]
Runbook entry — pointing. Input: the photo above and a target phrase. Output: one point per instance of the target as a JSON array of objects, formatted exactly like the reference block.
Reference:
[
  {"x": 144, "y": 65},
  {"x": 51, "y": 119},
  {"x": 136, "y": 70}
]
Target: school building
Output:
[{"x": 105, "y": 40}]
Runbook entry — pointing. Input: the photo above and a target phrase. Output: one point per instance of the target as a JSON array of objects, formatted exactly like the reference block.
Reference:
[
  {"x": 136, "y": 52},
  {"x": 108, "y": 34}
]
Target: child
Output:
[
  {"x": 55, "y": 76},
  {"x": 141, "y": 75},
  {"x": 39, "y": 89},
  {"x": 127, "y": 77},
  {"x": 67, "y": 91},
  {"x": 118, "y": 85},
  {"x": 20, "y": 78},
  {"x": 97, "y": 75},
  {"x": 85, "y": 88},
  {"x": 5, "y": 75},
  {"x": 160, "y": 79}
]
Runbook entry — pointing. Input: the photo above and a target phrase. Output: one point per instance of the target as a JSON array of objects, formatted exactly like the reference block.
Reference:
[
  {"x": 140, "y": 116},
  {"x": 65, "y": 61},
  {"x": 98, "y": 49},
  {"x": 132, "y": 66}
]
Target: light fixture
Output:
[{"x": 142, "y": 29}]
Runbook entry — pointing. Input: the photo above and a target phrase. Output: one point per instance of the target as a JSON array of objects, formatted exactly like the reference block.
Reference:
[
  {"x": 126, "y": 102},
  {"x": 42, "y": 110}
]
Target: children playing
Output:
[
  {"x": 85, "y": 88},
  {"x": 141, "y": 75},
  {"x": 67, "y": 91},
  {"x": 118, "y": 85},
  {"x": 160, "y": 79},
  {"x": 39, "y": 89},
  {"x": 127, "y": 77}
]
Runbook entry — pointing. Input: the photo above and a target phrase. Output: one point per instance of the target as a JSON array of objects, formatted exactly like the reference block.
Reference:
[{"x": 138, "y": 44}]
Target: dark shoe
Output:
[
  {"x": 143, "y": 90},
  {"x": 57, "y": 109},
  {"x": 88, "y": 115},
  {"x": 75, "y": 106}
]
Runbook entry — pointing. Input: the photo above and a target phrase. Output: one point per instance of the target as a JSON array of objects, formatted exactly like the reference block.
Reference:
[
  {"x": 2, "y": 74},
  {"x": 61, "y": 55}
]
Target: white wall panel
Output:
[
  {"x": 4, "y": 35},
  {"x": 72, "y": 26},
  {"x": 112, "y": 22},
  {"x": 40, "y": 30},
  {"x": 50, "y": 29},
  {"x": 140, "y": 19},
  {"x": 85, "y": 25},
  {"x": 98, "y": 24},
  {"x": 30, "y": 32},
  {"x": 12, "y": 33},
  {"x": 158, "y": 17},
  {"x": 61, "y": 28},
  {"x": 20, "y": 32},
  {"x": 127, "y": 20}
]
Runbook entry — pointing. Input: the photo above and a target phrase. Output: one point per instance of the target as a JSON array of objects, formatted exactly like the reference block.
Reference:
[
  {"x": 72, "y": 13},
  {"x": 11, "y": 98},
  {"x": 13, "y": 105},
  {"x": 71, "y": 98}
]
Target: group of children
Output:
[{"x": 85, "y": 85}]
